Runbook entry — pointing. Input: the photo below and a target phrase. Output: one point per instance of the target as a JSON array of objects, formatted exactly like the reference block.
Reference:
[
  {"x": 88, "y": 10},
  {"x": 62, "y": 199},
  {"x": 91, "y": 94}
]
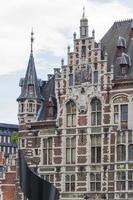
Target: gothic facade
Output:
[{"x": 76, "y": 128}]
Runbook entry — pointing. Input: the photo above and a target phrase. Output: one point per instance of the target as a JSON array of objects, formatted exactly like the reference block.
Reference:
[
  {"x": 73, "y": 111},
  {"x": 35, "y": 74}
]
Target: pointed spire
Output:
[
  {"x": 32, "y": 40},
  {"x": 83, "y": 25},
  {"x": 31, "y": 85},
  {"x": 83, "y": 16}
]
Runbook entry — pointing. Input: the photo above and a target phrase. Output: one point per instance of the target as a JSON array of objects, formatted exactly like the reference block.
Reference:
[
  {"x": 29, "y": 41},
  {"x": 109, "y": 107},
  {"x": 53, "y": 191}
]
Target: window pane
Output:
[
  {"x": 68, "y": 156},
  {"x": 92, "y": 186},
  {"x": 95, "y": 76},
  {"x": 67, "y": 187},
  {"x": 116, "y": 118},
  {"x": 129, "y": 137},
  {"x": 92, "y": 140},
  {"x": 73, "y": 152},
  {"x": 116, "y": 108},
  {"x": 93, "y": 154},
  {"x": 69, "y": 120},
  {"x": 98, "y": 154},
  {"x": 72, "y": 186},
  {"x": 98, "y": 177},
  {"x": 98, "y": 186},
  {"x": 130, "y": 152},
  {"x": 124, "y": 112},
  {"x": 130, "y": 185},
  {"x": 92, "y": 176},
  {"x": 130, "y": 175},
  {"x": 120, "y": 185},
  {"x": 73, "y": 142},
  {"x": 45, "y": 156},
  {"x": 123, "y": 138},
  {"x": 98, "y": 140},
  {"x": 68, "y": 142},
  {"x": 121, "y": 152},
  {"x": 99, "y": 118},
  {"x": 93, "y": 105},
  {"x": 74, "y": 120},
  {"x": 49, "y": 142},
  {"x": 67, "y": 178},
  {"x": 70, "y": 79},
  {"x": 93, "y": 118},
  {"x": 73, "y": 178},
  {"x": 50, "y": 156}
]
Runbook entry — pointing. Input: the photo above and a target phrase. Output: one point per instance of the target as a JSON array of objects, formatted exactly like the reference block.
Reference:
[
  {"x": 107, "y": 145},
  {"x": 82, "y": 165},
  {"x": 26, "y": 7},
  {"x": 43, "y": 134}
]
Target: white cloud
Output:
[{"x": 54, "y": 23}]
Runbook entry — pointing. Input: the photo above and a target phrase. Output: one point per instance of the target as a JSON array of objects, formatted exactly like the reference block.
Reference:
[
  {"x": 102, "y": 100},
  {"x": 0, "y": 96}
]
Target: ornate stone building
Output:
[{"x": 76, "y": 128}]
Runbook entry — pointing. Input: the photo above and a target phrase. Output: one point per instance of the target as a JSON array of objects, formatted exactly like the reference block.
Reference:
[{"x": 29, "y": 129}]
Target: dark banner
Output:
[{"x": 34, "y": 187}]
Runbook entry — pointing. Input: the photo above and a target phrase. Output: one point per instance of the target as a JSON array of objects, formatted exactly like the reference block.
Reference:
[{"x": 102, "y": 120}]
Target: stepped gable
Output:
[{"x": 120, "y": 30}]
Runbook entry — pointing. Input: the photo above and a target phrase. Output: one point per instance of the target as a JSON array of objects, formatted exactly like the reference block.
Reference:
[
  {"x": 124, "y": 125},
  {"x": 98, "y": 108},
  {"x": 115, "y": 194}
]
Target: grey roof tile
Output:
[{"x": 30, "y": 80}]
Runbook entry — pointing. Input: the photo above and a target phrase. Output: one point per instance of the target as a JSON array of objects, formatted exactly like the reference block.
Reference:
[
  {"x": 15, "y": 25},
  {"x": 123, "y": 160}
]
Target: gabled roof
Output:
[
  {"x": 119, "y": 32},
  {"x": 30, "y": 80}
]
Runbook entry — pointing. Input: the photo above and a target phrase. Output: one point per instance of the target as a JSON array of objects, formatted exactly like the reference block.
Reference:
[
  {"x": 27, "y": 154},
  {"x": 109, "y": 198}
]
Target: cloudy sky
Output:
[{"x": 54, "y": 23}]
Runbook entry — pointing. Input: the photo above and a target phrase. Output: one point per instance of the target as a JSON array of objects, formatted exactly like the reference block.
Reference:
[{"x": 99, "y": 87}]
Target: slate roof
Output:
[
  {"x": 48, "y": 91},
  {"x": 30, "y": 80},
  {"x": 119, "y": 34}
]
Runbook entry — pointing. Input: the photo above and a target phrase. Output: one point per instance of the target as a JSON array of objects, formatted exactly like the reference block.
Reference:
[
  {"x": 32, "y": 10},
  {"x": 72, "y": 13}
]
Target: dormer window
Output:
[
  {"x": 30, "y": 89},
  {"x": 51, "y": 108},
  {"x": 124, "y": 70},
  {"x": 50, "y": 111}
]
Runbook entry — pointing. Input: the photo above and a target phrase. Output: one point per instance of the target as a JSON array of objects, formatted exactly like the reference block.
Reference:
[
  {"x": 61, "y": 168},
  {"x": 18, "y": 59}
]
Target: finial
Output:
[
  {"x": 68, "y": 49},
  {"x": 32, "y": 40},
  {"x": 93, "y": 33},
  {"x": 83, "y": 12},
  {"x": 74, "y": 35},
  {"x": 62, "y": 62}
]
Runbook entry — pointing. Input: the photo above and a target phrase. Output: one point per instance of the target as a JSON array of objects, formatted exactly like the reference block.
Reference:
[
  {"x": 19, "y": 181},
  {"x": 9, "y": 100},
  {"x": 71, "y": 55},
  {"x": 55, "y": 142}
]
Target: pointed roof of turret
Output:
[
  {"x": 30, "y": 84},
  {"x": 83, "y": 15}
]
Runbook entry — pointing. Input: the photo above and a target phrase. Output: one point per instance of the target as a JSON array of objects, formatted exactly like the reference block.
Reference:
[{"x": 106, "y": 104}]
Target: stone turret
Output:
[{"x": 30, "y": 99}]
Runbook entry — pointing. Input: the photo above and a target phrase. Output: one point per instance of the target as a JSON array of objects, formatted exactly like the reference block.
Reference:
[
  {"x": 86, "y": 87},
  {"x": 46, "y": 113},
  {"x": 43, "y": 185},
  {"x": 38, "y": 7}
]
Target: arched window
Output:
[
  {"x": 70, "y": 114},
  {"x": 121, "y": 152},
  {"x": 121, "y": 111},
  {"x": 130, "y": 152},
  {"x": 96, "y": 113}
]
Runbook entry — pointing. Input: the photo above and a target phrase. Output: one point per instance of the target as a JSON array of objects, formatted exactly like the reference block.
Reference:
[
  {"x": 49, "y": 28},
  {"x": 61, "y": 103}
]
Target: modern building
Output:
[
  {"x": 8, "y": 149},
  {"x": 76, "y": 128},
  {"x": 7, "y": 144}
]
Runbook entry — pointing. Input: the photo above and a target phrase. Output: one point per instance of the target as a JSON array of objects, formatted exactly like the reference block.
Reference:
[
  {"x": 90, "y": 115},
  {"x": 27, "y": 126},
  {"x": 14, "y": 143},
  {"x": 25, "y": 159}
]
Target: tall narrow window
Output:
[
  {"x": 83, "y": 53},
  {"x": 95, "y": 149},
  {"x": 70, "y": 183},
  {"x": 95, "y": 76},
  {"x": 124, "y": 113},
  {"x": 95, "y": 181},
  {"x": 121, "y": 152},
  {"x": 121, "y": 146},
  {"x": 121, "y": 180},
  {"x": 130, "y": 152},
  {"x": 70, "y": 79},
  {"x": 121, "y": 111},
  {"x": 70, "y": 114},
  {"x": 47, "y": 151},
  {"x": 130, "y": 180},
  {"x": 70, "y": 150},
  {"x": 96, "y": 112},
  {"x": 21, "y": 107}
]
